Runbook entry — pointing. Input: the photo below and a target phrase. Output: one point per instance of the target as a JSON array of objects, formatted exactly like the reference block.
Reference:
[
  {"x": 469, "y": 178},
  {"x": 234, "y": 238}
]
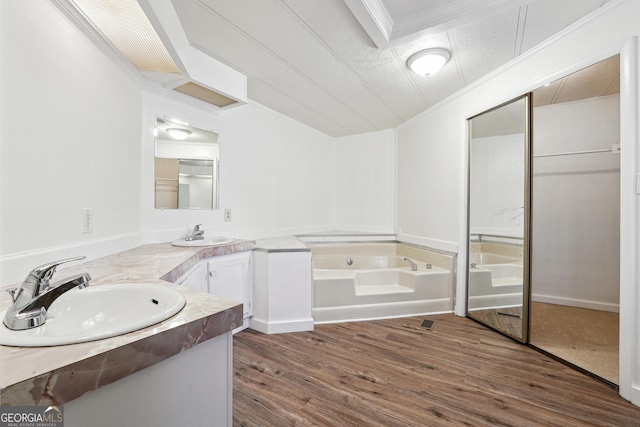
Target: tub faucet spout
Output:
[{"x": 414, "y": 266}]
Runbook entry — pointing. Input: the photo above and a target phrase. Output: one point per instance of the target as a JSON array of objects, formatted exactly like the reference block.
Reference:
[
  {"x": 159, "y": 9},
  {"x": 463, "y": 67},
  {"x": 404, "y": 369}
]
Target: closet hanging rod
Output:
[{"x": 615, "y": 149}]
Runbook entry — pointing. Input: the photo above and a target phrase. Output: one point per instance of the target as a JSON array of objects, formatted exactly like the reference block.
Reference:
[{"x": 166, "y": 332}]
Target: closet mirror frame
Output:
[{"x": 510, "y": 327}]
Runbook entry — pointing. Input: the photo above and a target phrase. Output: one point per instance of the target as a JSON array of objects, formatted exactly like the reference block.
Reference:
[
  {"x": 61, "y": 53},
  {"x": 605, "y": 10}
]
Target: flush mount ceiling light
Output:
[
  {"x": 428, "y": 62},
  {"x": 178, "y": 133}
]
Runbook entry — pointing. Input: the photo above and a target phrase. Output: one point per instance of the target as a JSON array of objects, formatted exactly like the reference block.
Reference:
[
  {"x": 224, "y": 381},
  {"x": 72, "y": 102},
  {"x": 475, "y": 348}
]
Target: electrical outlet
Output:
[
  {"x": 227, "y": 215},
  {"x": 87, "y": 220}
]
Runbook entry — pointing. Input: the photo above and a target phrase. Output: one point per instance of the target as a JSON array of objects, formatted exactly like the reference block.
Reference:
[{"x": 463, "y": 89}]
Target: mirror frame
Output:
[{"x": 526, "y": 242}]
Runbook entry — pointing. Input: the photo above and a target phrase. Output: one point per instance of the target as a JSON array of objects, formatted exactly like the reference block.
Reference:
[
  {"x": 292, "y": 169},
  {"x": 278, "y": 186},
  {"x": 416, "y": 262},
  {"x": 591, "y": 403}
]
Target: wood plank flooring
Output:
[{"x": 396, "y": 373}]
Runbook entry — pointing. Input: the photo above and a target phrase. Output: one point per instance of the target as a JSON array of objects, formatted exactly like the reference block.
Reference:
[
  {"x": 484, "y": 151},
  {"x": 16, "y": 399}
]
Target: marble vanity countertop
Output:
[{"x": 56, "y": 375}]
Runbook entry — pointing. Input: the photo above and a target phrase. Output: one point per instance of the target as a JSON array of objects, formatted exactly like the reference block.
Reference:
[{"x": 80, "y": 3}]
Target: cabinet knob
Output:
[{"x": 212, "y": 273}]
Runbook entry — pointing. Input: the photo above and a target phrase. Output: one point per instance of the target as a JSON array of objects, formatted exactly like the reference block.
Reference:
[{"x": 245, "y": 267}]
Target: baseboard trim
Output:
[
  {"x": 575, "y": 302},
  {"x": 281, "y": 327}
]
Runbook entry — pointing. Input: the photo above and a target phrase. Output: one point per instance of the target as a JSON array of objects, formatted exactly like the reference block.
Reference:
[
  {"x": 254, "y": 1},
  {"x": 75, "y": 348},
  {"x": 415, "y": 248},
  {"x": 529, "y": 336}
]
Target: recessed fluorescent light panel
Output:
[{"x": 125, "y": 25}]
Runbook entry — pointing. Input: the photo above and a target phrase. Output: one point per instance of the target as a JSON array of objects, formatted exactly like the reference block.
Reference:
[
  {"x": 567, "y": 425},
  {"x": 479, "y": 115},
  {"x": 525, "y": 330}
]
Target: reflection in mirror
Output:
[
  {"x": 186, "y": 166},
  {"x": 498, "y": 218}
]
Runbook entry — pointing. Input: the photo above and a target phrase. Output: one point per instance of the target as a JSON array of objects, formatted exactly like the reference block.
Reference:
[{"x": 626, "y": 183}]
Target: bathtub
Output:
[
  {"x": 363, "y": 281},
  {"x": 495, "y": 276}
]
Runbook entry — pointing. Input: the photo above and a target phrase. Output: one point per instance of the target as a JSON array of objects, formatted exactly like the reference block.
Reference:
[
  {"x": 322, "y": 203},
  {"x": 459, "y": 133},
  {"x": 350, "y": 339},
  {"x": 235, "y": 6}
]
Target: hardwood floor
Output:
[{"x": 396, "y": 373}]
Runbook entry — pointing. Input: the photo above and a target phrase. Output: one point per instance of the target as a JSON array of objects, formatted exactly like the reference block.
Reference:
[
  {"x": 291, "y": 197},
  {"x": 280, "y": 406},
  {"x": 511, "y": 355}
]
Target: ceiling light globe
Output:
[
  {"x": 428, "y": 62},
  {"x": 178, "y": 133}
]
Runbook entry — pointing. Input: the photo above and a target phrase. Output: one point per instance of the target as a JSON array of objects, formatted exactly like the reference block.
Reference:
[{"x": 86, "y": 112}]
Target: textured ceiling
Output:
[
  {"x": 599, "y": 79},
  {"x": 318, "y": 63}
]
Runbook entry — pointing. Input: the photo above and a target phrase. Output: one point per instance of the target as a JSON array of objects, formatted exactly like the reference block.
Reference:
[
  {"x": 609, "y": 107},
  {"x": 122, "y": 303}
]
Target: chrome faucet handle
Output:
[
  {"x": 44, "y": 272},
  {"x": 197, "y": 227},
  {"x": 12, "y": 292}
]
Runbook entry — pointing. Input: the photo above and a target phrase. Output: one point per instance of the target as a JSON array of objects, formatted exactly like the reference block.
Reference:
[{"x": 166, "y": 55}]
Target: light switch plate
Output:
[{"x": 87, "y": 220}]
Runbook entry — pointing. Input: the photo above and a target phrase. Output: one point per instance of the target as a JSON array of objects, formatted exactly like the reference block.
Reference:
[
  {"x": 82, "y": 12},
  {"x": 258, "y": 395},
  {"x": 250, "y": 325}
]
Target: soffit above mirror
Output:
[{"x": 146, "y": 36}]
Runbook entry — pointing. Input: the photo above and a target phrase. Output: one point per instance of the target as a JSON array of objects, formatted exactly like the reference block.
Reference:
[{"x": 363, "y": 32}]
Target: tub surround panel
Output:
[
  {"x": 363, "y": 281},
  {"x": 437, "y": 244},
  {"x": 282, "y": 291},
  {"x": 281, "y": 244},
  {"x": 346, "y": 237},
  {"x": 426, "y": 255},
  {"x": 495, "y": 252},
  {"x": 56, "y": 375}
]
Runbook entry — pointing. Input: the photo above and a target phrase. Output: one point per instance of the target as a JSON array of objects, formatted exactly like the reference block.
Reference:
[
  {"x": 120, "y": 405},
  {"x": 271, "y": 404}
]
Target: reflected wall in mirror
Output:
[
  {"x": 497, "y": 274},
  {"x": 186, "y": 166}
]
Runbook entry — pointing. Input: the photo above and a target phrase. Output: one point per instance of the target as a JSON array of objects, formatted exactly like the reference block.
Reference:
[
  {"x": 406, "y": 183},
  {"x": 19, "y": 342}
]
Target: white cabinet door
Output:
[
  {"x": 231, "y": 277},
  {"x": 196, "y": 278}
]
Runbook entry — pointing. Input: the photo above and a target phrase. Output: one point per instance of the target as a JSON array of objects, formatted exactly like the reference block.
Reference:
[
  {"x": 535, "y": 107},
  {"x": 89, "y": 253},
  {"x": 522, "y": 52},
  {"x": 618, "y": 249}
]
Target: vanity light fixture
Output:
[
  {"x": 429, "y": 61},
  {"x": 178, "y": 133}
]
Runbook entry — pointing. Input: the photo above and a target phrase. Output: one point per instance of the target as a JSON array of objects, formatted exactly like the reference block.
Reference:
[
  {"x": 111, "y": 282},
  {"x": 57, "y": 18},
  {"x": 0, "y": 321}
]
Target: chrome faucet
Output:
[
  {"x": 196, "y": 234},
  {"x": 414, "y": 266},
  {"x": 32, "y": 300}
]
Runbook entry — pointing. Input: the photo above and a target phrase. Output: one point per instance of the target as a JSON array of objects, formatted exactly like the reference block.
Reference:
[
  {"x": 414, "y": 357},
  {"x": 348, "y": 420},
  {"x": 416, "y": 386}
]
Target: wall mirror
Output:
[
  {"x": 186, "y": 166},
  {"x": 498, "y": 218}
]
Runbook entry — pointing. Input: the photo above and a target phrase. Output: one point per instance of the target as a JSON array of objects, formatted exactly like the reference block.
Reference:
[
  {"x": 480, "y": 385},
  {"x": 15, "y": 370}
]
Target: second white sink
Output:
[
  {"x": 98, "y": 312},
  {"x": 214, "y": 241}
]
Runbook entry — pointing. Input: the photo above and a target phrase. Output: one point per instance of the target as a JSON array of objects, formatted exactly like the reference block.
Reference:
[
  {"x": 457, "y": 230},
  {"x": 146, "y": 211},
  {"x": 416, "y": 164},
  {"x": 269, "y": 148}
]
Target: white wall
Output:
[
  {"x": 432, "y": 152},
  {"x": 575, "y": 256},
  {"x": 497, "y": 181},
  {"x": 77, "y": 131},
  {"x": 67, "y": 142},
  {"x": 428, "y": 179},
  {"x": 365, "y": 182},
  {"x": 276, "y": 175}
]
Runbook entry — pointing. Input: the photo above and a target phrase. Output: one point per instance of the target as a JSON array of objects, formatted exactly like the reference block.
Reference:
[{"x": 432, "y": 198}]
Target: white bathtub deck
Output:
[{"x": 382, "y": 289}]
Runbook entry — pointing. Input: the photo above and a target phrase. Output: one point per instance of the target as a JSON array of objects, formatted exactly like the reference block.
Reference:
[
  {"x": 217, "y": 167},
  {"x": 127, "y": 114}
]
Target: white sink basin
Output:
[
  {"x": 98, "y": 312},
  {"x": 214, "y": 241}
]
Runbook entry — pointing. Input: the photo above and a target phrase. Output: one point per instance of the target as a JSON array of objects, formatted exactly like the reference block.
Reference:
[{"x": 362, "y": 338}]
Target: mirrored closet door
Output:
[{"x": 498, "y": 218}]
